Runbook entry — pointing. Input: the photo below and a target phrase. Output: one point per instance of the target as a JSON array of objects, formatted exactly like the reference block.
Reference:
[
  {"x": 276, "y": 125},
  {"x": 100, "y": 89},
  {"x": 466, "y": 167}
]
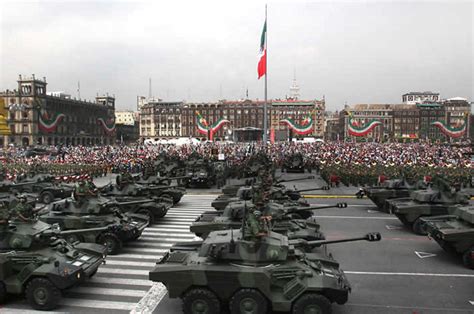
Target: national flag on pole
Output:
[{"x": 262, "y": 61}]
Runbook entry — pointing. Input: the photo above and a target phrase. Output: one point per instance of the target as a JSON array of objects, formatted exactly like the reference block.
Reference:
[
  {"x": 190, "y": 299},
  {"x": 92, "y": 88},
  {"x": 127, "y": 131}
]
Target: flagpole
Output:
[{"x": 265, "y": 118}]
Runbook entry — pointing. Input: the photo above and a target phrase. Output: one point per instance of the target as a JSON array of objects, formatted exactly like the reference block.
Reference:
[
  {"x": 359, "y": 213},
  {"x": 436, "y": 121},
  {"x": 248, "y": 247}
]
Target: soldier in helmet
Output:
[
  {"x": 22, "y": 210},
  {"x": 252, "y": 225}
]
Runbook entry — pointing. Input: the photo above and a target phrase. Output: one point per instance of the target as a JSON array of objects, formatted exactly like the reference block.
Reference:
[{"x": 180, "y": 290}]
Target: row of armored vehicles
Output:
[
  {"x": 262, "y": 250},
  {"x": 438, "y": 210},
  {"x": 47, "y": 248}
]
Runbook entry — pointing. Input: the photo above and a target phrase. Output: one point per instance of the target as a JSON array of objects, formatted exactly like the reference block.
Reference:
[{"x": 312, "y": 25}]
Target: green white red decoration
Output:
[
  {"x": 204, "y": 127},
  {"x": 454, "y": 132},
  {"x": 355, "y": 129},
  {"x": 109, "y": 128},
  {"x": 49, "y": 125},
  {"x": 262, "y": 58},
  {"x": 306, "y": 126}
]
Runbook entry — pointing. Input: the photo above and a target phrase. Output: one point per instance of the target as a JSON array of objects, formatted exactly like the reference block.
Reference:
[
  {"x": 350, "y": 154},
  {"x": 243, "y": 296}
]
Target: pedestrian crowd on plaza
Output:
[{"x": 351, "y": 162}]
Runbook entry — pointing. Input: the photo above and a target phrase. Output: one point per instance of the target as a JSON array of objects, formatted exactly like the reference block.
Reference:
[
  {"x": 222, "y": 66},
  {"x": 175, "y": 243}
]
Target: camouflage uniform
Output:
[{"x": 22, "y": 211}]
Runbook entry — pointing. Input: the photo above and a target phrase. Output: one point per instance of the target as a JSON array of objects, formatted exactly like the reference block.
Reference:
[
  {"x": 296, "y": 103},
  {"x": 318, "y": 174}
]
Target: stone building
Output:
[
  {"x": 36, "y": 118},
  {"x": 160, "y": 119},
  {"x": 406, "y": 122},
  {"x": 365, "y": 113}
]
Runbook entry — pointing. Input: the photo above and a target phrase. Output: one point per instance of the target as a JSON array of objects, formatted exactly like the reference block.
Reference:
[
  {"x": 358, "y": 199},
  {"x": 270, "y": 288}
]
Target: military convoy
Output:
[
  {"x": 390, "y": 189},
  {"x": 294, "y": 163},
  {"x": 34, "y": 262}
]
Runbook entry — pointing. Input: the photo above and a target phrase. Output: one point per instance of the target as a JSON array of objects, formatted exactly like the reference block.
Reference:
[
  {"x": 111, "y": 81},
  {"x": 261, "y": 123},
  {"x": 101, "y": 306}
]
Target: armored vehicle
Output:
[
  {"x": 161, "y": 186},
  {"x": 390, "y": 189},
  {"x": 253, "y": 274},
  {"x": 292, "y": 221},
  {"x": 277, "y": 193},
  {"x": 34, "y": 262},
  {"x": 254, "y": 165},
  {"x": 200, "y": 173},
  {"x": 154, "y": 207},
  {"x": 425, "y": 203},
  {"x": 174, "y": 193},
  {"x": 105, "y": 223},
  {"x": 294, "y": 163},
  {"x": 454, "y": 232},
  {"x": 47, "y": 191}
]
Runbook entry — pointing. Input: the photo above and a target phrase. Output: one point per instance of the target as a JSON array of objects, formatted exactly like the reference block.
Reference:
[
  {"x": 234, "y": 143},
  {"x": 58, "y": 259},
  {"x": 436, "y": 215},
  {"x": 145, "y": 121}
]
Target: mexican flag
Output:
[{"x": 262, "y": 58}]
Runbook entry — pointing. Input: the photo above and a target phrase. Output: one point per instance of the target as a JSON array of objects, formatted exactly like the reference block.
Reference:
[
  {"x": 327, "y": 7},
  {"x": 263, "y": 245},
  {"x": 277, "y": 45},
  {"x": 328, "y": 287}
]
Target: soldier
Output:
[
  {"x": 80, "y": 192},
  {"x": 23, "y": 211},
  {"x": 252, "y": 225},
  {"x": 4, "y": 215}
]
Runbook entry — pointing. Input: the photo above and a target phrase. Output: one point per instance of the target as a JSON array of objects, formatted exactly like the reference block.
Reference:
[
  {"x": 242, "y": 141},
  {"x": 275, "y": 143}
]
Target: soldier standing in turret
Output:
[{"x": 23, "y": 211}]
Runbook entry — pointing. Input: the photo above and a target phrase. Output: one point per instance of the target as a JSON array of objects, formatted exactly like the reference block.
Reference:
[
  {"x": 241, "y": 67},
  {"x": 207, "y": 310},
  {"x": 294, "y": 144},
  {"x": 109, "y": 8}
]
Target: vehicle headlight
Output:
[{"x": 78, "y": 275}]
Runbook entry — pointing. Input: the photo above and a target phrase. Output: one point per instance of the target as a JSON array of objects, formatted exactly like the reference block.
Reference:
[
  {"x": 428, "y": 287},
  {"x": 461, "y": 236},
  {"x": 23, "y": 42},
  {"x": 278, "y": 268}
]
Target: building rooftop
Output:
[{"x": 421, "y": 93}]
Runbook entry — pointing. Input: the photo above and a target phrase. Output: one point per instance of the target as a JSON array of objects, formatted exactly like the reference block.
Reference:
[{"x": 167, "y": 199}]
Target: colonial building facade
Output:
[
  {"x": 161, "y": 119},
  {"x": 36, "y": 118}
]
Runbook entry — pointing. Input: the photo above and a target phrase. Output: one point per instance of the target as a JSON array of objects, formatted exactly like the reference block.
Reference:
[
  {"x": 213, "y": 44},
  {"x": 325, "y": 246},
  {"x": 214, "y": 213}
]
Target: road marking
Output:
[
  {"x": 424, "y": 254},
  {"x": 141, "y": 250},
  {"x": 123, "y": 271},
  {"x": 130, "y": 263},
  {"x": 328, "y": 196},
  {"x": 151, "y": 299},
  {"x": 121, "y": 281},
  {"x": 357, "y": 217},
  {"x": 409, "y": 308},
  {"x": 408, "y": 274},
  {"x": 109, "y": 291},
  {"x": 472, "y": 302},
  {"x": 392, "y": 227},
  {"x": 111, "y": 305},
  {"x": 370, "y": 211}
]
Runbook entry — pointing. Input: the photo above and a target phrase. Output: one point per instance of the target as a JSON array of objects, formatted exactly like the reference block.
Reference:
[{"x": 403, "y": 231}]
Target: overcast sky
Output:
[{"x": 354, "y": 52}]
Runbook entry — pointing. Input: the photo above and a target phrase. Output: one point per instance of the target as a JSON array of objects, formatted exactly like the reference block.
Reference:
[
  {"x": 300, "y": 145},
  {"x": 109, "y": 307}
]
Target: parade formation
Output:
[{"x": 261, "y": 249}]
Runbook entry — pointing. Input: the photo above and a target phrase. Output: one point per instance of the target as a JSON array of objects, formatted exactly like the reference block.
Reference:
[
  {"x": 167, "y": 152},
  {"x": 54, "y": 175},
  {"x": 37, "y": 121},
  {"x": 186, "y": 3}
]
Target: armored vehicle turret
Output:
[
  {"x": 34, "y": 262},
  {"x": 153, "y": 207},
  {"x": 253, "y": 274},
  {"x": 454, "y": 232},
  {"x": 294, "y": 163},
  {"x": 160, "y": 187},
  {"x": 292, "y": 221},
  {"x": 423, "y": 203},
  {"x": 133, "y": 189},
  {"x": 105, "y": 223},
  {"x": 390, "y": 189}
]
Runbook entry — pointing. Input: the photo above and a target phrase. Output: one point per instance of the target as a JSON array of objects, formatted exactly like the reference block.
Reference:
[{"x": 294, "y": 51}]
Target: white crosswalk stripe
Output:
[{"x": 122, "y": 282}]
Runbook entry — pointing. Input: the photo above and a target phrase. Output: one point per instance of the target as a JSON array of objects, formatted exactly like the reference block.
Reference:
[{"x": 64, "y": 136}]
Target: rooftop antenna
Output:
[
  {"x": 79, "y": 89},
  {"x": 149, "y": 88}
]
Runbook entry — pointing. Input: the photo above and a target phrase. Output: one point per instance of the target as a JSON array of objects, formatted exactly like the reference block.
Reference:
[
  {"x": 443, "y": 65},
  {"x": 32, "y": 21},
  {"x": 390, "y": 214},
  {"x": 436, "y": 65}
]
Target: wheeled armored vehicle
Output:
[
  {"x": 454, "y": 232},
  {"x": 253, "y": 274},
  {"x": 34, "y": 262},
  {"x": 424, "y": 203},
  {"x": 294, "y": 163},
  {"x": 292, "y": 221},
  {"x": 105, "y": 223},
  {"x": 390, "y": 189}
]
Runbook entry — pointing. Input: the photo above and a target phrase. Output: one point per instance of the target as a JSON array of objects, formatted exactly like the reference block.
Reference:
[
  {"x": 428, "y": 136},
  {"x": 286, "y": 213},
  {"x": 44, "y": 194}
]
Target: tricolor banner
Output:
[
  {"x": 262, "y": 57},
  {"x": 108, "y": 128},
  {"x": 49, "y": 125},
  {"x": 355, "y": 129},
  {"x": 306, "y": 127},
  {"x": 204, "y": 127},
  {"x": 449, "y": 131}
]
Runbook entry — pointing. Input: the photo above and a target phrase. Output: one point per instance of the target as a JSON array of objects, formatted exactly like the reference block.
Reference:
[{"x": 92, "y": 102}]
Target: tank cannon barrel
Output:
[
  {"x": 371, "y": 237},
  {"x": 292, "y": 180},
  {"x": 300, "y": 209},
  {"x": 13, "y": 185},
  {"x": 324, "y": 188}
]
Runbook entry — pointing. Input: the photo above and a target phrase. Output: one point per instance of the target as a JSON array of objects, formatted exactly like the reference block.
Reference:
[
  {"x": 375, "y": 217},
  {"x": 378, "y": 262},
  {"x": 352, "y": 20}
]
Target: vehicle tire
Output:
[
  {"x": 3, "y": 293},
  {"x": 72, "y": 238},
  {"x": 419, "y": 227},
  {"x": 249, "y": 301},
  {"x": 201, "y": 300},
  {"x": 312, "y": 303},
  {"x": 47, "y": 197},
  {"x": 149, "y": 213},
  {"x": 468, "y": 258},
  {"x": 111, "y": 242},
  {"x": 42, "y": 294},
  {"x": 160, "y": 213}
]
